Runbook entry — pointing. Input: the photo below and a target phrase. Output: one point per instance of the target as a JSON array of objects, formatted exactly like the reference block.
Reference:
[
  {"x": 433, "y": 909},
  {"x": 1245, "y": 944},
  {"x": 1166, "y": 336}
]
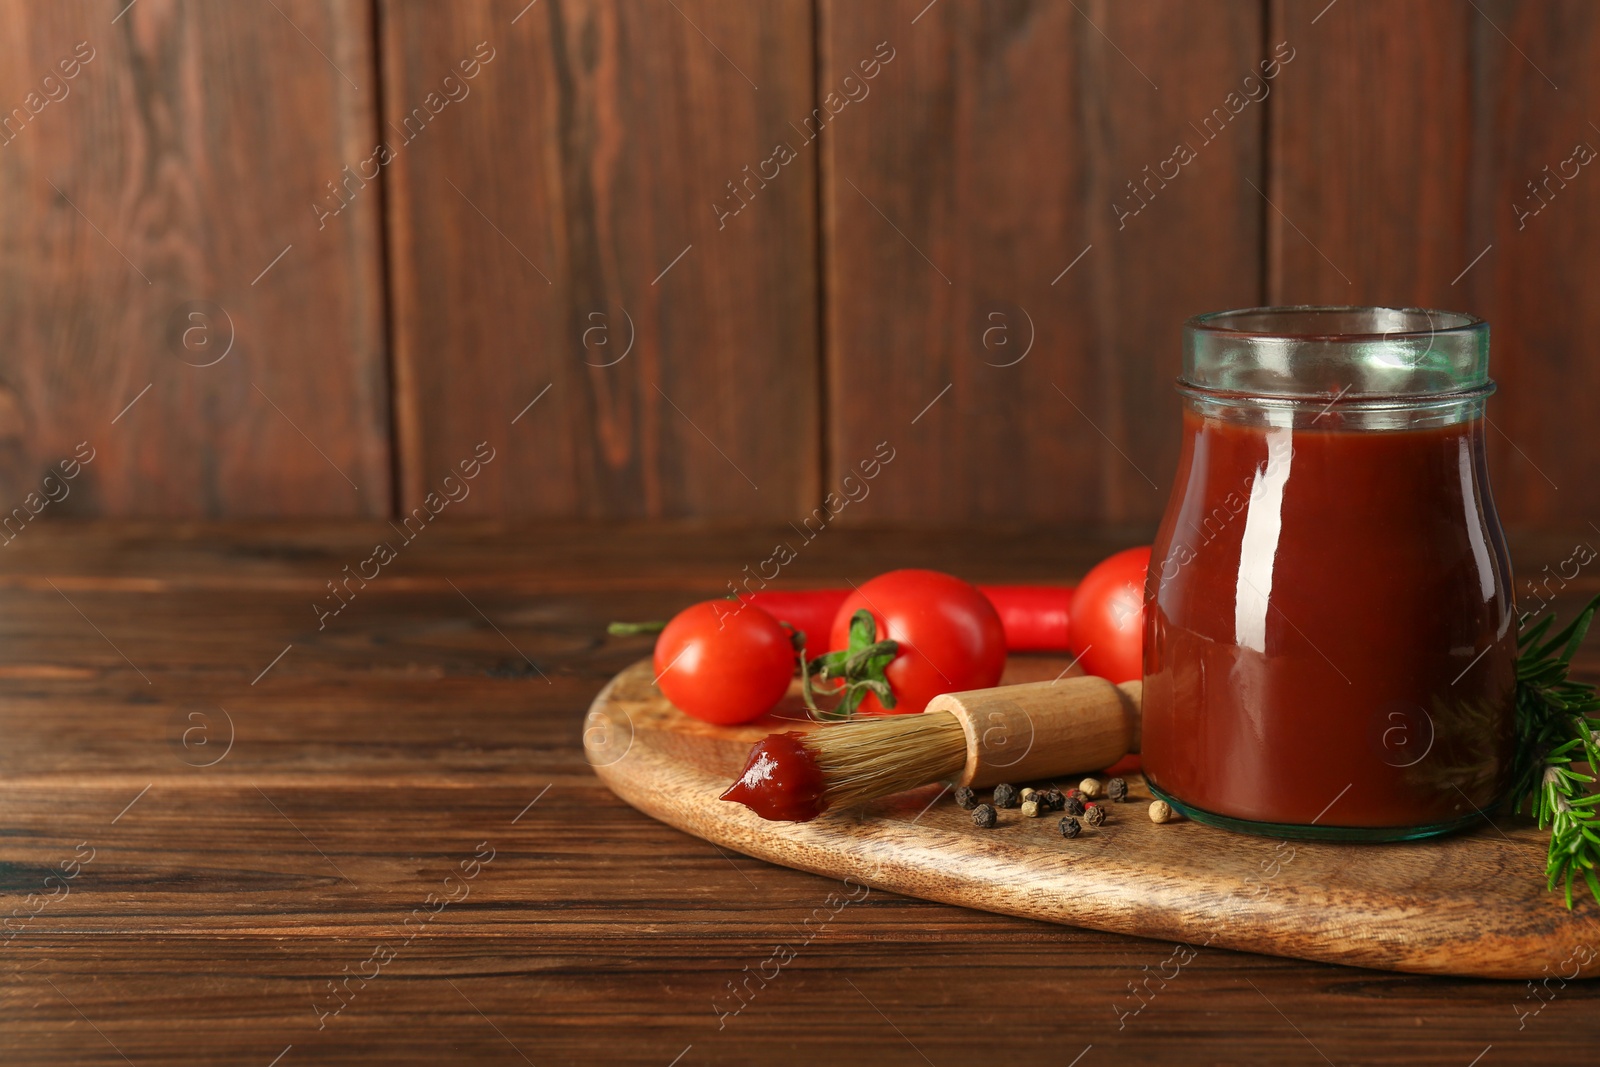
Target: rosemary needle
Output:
[{"x": 1556, "y": 720}]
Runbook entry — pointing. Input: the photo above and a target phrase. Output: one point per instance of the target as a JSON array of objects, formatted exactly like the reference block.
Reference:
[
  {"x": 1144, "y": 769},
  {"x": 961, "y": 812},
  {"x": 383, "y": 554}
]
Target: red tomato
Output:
[
  {"x": 1107, "y": 615},
  {"x": 724, "y": 662},
  {"x": 950, "y": 636}
]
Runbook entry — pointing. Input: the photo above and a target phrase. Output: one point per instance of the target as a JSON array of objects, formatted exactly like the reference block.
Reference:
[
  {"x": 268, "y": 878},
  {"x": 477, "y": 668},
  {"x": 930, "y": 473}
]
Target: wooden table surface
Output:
[{"x": 227, "y": 836}]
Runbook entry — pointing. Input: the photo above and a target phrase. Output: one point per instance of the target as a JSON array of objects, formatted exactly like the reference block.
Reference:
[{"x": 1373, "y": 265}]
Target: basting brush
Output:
[{"x": 979, "y": 738}]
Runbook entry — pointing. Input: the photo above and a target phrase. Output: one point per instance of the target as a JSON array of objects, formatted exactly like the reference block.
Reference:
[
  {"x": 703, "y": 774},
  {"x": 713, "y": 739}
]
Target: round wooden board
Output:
[{"x": 1470, "y": 904}]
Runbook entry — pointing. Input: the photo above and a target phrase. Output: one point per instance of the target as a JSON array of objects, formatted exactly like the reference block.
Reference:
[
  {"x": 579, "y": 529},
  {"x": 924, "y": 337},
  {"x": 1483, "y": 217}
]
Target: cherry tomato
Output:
[
  {"x": 1107, "y": 613},
  {"x": 950, "y": 636},
  {"x": 724, "y": 662}
]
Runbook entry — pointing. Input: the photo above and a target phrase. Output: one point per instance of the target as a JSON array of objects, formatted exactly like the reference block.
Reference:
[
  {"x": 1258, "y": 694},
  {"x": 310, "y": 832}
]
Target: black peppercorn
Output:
[
  {"x": 1069, "y": 827},
  {"x": 1072, "y": 805},
  {"x": 983, "y": 816},
  {"x": 1055, "y": 799},
  {"x": 1005, "y": 796},
  {"x": 966, "y": 799},
  {"x": 1117, "y": 789},
  {"x": 1094, "y": 815}
]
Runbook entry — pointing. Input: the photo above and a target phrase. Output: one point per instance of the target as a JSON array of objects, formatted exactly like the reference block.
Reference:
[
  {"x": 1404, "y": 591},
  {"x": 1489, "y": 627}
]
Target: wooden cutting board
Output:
[{"x": 1472, "y": 903}]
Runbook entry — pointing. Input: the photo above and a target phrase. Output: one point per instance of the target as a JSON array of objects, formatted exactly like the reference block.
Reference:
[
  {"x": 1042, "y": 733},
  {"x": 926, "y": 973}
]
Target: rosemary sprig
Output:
[{"x": 1555, "y": 721}]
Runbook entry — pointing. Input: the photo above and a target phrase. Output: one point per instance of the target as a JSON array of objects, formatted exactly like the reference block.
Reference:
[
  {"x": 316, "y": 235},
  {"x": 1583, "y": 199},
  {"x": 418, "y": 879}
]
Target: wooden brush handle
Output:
[{"x": 1018, "y": 733}]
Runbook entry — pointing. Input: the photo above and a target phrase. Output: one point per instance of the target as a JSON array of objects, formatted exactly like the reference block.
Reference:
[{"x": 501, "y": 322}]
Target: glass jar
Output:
[{"x": 1330, "y": 639}]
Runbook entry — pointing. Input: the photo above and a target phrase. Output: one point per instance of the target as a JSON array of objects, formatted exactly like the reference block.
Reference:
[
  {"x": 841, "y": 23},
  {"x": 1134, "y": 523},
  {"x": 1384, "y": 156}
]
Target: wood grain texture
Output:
[
  {"x": 537, "y": 229},
  {"x": 164, "y": 178},
  {"x": 1027, "y": 730},
  {"x": 377, "y": 754},
  {"x": 1455, "y": 199},
  {"x": 993, "y": 151}
]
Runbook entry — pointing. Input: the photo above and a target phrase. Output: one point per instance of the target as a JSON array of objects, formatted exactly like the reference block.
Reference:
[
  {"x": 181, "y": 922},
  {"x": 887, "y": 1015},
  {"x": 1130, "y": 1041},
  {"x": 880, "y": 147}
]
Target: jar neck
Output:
[
  {"x": 1338, "y": 413},
  {"x": 1378, "y": 367}
]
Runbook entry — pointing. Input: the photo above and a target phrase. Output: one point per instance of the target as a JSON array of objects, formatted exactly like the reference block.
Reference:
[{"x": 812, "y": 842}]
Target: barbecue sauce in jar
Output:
[{"x": 1330, "y": 638}]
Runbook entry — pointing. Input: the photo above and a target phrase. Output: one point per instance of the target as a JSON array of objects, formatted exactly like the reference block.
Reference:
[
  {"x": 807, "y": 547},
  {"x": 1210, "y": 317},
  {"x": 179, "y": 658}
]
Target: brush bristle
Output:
[{"x": 871, "y": 758}]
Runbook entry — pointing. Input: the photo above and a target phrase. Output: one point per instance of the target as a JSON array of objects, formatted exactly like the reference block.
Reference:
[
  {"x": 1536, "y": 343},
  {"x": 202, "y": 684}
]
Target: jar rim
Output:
[
  {"x": 1356, "y": 353},
  {"x": 1436, "y": 323}
]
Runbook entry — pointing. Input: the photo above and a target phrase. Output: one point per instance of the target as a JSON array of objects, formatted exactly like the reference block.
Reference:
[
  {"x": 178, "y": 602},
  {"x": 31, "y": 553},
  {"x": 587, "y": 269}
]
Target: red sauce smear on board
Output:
[{"x": 781, "y": 781}]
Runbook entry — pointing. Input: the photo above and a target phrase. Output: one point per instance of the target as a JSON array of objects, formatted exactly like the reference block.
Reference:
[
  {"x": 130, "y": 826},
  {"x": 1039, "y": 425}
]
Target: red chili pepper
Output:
[
  {"x": 1034, "y": 616},
  {"x": 810, "y": 611}
]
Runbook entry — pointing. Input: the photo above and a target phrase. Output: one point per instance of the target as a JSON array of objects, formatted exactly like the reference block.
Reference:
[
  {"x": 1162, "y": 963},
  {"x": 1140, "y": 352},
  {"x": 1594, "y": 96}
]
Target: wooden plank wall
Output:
[
  {"x": 971, "y": 213},
  {"x": 695, "y": 258},
  {"x": 147, "y": 200},
  {"x": 554, "y": 240}
]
